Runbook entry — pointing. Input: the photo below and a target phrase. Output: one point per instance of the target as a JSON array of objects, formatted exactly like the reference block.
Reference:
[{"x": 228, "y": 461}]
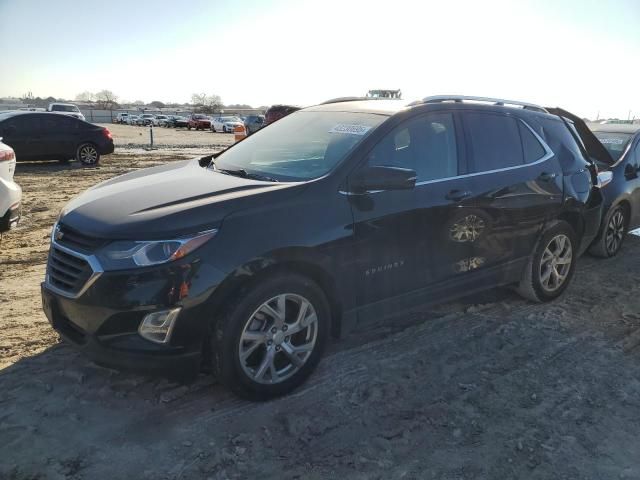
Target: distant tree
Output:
[
  {"x": 86, "y": 97},
  {"x": 138, "y": 103},
  {"x": 157, "y": 104},
  {"x": 106, "y": 99},
  {"x": 206, "y": 103}
]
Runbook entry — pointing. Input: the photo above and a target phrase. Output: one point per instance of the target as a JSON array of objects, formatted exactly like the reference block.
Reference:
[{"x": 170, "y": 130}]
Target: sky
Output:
[{"x": 581, "y": 55}]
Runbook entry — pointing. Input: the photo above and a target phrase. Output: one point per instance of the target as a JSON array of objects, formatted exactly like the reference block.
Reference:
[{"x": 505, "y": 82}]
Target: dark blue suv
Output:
[{"x": 248, "y": 260}]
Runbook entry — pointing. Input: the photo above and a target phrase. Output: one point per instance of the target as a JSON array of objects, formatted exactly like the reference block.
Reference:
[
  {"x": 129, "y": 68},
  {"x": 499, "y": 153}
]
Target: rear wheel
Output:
[
  {"x": 550, "y": 268},
  {"x": 614, "y": 229},
  {"x": 272, "y": 337},
  {"x": 87, "y": 154}
]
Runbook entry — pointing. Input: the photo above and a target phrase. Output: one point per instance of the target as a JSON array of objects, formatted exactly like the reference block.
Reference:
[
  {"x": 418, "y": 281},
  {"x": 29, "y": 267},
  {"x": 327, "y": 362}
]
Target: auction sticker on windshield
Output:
[{"x": 350, "y": 129}]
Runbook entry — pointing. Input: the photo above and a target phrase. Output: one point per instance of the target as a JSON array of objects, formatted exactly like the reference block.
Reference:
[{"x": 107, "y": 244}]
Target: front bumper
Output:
[{"x": 103, "y": 322}]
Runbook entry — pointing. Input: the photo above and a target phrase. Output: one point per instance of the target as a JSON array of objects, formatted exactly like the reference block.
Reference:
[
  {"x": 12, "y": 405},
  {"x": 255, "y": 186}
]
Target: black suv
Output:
[{"x": 248, "y": 260}]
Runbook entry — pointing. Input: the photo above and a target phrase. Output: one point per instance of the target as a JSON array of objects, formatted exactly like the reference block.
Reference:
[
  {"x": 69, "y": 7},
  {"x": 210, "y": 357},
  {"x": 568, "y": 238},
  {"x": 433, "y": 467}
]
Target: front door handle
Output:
[
  {"x": 458, "y": 195},
  {"x": 546, "y": 176}
]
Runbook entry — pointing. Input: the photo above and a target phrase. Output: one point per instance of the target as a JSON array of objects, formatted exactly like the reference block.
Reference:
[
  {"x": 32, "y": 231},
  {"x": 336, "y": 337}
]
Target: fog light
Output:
[{"x": 157, "y": 326}]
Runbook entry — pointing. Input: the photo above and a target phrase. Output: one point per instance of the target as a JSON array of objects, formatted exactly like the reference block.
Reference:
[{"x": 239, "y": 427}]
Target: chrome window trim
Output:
[
  {"x": 548, "y": 154},
  {"x": 92, "y": 260}
]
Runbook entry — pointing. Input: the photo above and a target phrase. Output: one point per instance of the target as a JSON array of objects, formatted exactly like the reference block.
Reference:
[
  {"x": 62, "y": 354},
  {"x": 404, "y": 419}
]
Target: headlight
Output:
[{"x": 125, "y": 254}]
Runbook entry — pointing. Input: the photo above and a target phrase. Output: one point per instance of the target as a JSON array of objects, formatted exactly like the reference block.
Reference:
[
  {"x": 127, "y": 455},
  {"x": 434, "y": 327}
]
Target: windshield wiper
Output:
[{"x": 241, "y": 172}]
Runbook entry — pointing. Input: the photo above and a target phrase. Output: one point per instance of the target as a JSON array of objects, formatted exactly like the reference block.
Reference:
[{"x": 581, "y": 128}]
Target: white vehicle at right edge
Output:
[{"x": 10, "y": 192}]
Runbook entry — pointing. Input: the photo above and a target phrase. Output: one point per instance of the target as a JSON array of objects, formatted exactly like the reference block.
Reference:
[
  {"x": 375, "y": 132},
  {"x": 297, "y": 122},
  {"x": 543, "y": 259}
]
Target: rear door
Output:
[
  {"x": 516, "y": 185},
  {"x": 405, "y": 239},
  {"x": 24, "y": 134}
]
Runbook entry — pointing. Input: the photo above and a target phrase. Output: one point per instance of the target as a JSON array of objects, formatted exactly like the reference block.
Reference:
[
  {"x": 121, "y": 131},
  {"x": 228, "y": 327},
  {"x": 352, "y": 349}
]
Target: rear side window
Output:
[
  {"x": 426, "y": 144},
  {"x": 494, "y": 140},
  {"x": 531, "y": 147},
  {"x": 27, "y": 123}
]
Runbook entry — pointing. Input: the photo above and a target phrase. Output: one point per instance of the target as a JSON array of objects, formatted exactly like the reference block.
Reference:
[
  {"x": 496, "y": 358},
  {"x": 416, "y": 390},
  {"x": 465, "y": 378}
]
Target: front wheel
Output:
[
  {"x": 550, "y": 268},
  {"x": 614, "y": 229},
  {"x": 268, "y": 343},
  {"x": 88, "y": 154}
]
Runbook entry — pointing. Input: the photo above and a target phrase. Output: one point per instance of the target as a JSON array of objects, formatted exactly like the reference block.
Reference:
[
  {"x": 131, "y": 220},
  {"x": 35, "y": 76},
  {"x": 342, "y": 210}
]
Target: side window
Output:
[
  {"x": 26, "y": 124},
  {"x": 531, "y": 147},
  {"x": 495, "y": 141},
  {"x": 426, "y": 144}
]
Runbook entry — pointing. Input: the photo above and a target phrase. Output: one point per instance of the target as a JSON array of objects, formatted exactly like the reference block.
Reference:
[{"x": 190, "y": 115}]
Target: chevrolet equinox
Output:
[{"x": 248, "y": 260}]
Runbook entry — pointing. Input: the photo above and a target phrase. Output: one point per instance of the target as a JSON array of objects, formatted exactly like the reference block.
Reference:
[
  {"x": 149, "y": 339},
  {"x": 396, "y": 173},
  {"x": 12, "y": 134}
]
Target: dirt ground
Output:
[
  {"x": 490, "y": 387},
  {"x": 134, "y": 136}
]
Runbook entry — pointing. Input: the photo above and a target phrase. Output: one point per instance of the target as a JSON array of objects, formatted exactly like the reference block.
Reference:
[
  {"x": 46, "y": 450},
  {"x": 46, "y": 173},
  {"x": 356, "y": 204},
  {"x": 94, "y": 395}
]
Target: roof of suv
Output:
[{"x": 390, "y": 107}]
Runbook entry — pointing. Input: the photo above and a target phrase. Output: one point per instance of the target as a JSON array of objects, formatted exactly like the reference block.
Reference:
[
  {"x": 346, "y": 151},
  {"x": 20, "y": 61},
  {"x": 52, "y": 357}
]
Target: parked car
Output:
[
  {"x": 622, "y": 195},
  {"x": 45, "y": 136},
  {"x": 66, "y": 109},
  {"x": 362, "y": 209},
  {"x": 146, "y": 119},
  {"x": 159, "y": 120},
  {"x": 180, "y": 122},
  {"x": 276, "y": 112},
  {"x": 121, "y": 117},
  {"x": 198, "y": 121},
  {"x": 10, "y": 192},
  {"x": 133, "y": 119},
  {"x": 253, "y": 123},
  {"x": 225, "y": 124}
]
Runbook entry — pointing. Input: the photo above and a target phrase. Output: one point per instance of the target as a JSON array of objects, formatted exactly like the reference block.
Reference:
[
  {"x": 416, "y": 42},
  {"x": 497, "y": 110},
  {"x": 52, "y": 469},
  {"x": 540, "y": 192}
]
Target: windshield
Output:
[
  {"x": 614, "y": 142},
  {"x": 64, "y": 108},
  {"x": 229, "y": 119},
  {"x": 301, "y": 146},
  {"x": 199, "y": 117}
]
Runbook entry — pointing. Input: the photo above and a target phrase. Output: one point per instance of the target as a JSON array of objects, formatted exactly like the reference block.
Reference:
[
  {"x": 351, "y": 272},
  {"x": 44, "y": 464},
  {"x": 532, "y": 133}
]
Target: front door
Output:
[{"x": 405, "y": 240}]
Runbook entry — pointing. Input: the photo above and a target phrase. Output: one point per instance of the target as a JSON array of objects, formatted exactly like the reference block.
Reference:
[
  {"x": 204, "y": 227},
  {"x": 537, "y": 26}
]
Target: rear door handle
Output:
[
  {"x": 458, "y": 195},
  {"x": 546, "y": 176}
]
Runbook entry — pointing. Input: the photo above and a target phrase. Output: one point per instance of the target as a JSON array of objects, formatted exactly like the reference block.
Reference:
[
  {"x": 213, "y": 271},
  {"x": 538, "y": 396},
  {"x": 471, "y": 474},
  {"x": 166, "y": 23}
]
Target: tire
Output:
[
  {"x": 556, "y": 246},
  {"x": 611, "y": 238},
  {"x": 270, "y": 348},
  {"x": 87, "y": 154}
]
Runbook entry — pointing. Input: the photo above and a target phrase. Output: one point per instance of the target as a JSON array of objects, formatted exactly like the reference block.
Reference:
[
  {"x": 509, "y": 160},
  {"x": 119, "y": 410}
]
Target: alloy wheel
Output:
[
  {"x": 615, "y": 232},
  {"x": 555, "y": 263},
  {"x": 278, "y": 339},
  {"x": 468, "y": 229},
  {"x": 88, "y": 154}
]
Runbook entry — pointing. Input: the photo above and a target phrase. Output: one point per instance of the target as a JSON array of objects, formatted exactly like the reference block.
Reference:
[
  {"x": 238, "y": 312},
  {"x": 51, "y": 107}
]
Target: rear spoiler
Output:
[{"x": 594, "y": 148}]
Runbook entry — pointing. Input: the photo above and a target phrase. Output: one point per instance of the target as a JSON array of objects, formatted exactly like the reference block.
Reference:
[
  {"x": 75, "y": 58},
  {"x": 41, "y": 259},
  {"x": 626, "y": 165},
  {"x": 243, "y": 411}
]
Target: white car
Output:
[
  {"x": 10, "y": 191},
  {"x": 132, "y": 119},
  {"x": 160, "y": 120},
  {"x": 122, "y": 117},
  {"x": 65, "y": 109},
  {"x": 225, "y": 124}
]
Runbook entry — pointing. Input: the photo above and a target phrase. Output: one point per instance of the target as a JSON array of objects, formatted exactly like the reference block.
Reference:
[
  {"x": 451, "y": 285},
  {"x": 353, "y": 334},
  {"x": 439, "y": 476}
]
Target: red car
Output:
[{"x": 199, "y": 122}]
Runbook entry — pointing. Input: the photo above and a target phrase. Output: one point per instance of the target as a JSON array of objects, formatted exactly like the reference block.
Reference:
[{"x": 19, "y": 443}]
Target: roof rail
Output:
[{"x": 494, "y": 101}]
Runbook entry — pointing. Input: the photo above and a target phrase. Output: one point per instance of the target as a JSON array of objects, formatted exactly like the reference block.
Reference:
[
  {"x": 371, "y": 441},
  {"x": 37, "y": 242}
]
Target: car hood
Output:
[{"x": 167, "y": 201}]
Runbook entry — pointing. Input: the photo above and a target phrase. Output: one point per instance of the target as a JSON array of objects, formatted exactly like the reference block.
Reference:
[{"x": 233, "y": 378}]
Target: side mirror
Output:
[
  {"x": 631, "y": 171},
  {"x": 369, "y": 179},
  {"x": 604, "y": 178}
]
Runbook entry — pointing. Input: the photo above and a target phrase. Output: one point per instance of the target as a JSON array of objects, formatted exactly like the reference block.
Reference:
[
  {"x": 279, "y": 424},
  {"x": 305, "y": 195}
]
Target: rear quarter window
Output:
[
  {"x": 531, "y": 147},
  {"x": 494, "y": 141}
]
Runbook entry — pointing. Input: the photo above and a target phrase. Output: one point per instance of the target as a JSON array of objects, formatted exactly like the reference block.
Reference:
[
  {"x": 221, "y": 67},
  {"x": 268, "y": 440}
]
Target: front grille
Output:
[
  {"x": 66, "y": 272},
  {"x": 68, "y": 237}
]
